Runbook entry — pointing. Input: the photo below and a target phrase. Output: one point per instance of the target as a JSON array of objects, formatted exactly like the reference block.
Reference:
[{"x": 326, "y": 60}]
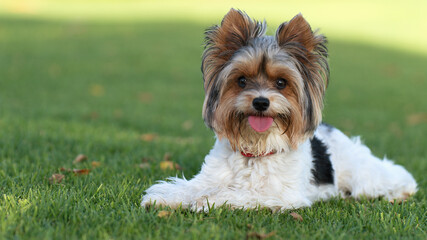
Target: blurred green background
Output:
[
  {"x": 397, "y": 23},
  {"x": 120, "y": 81},
  {"x": 135, "y": 65}
]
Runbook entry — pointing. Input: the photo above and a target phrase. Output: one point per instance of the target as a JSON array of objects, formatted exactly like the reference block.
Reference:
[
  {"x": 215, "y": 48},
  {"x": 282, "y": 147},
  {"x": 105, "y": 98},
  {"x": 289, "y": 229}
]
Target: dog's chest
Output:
[{"x": 271, "y": 173}]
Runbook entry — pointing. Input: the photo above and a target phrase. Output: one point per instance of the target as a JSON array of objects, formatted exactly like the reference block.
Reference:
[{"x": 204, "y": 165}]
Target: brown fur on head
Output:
[{"x": 238, "y": 48}]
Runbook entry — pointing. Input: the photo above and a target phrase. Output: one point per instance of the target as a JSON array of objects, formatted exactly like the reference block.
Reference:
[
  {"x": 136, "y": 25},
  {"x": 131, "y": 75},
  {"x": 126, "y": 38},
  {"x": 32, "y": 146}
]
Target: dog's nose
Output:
[{"x": 261, "y": 103}]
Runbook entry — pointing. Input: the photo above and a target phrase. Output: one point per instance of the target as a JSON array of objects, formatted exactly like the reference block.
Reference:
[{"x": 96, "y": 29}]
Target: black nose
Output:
[{"x": 261, "y": 103}]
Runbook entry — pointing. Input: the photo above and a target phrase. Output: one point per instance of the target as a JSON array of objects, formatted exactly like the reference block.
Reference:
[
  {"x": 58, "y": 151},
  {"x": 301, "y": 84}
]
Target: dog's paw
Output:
[
  {"x": 400, "y": 196},
  {"x": 148, "y": 201},
  {"x": 163, "y": 194},
  {"x": 202, "y": 204},
  {"x": 158, "y": 201}
]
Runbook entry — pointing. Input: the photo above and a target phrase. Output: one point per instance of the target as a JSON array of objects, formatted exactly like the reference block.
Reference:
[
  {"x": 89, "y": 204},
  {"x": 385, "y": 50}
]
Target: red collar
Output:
[{"x": 262, "y": 155}]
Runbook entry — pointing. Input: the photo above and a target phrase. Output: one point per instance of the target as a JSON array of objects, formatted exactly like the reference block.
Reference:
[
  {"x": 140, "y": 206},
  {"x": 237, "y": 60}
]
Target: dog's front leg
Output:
[
  {"x": 197, "y": 194},
  {"x": 173, "y": 194}
]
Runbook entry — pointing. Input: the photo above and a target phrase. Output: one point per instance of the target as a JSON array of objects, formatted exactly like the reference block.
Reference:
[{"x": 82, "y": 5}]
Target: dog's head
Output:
[{"x": 263, "y": 93}]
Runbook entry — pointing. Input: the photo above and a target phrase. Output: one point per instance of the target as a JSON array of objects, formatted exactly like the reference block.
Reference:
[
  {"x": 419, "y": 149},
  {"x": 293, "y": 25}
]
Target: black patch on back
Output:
[{"x": 322, "y": 171}]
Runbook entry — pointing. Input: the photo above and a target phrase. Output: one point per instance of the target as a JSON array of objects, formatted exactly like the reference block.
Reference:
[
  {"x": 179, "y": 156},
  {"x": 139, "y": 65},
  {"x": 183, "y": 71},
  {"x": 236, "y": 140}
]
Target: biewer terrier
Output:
[{"x": 264, "y": 101}]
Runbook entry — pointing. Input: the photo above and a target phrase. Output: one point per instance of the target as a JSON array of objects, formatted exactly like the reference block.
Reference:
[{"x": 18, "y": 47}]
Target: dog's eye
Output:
[
  {"x": 241, "y": 82},
  {"x": 281, "y": 83}
]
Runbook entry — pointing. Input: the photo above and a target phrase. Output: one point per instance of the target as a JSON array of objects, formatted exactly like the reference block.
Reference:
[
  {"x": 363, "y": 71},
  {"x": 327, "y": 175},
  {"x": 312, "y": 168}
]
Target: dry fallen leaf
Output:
[
  {"x": 56, "y": 178},
  {"x": 95, "y": 164},
  {"x": 62, "y": 169},
  {"x": 177, "y": 166},
  {"x": 97, "y": 90},
  {"x": 144, "y": 165},
  {"x": 416, "y": 118},
  {"x": 81, "y": 171},
  {"x": 187, "y": 125},
  {"x": 163, "y": 214},
  {"x": 145, "y": 97},
  {"x": 80, "y": 158},
  {"x": 296, "y": 216},
  {"x": 148, "y": 137},
  {"x": 167, "y": 165},
  {"x": 167, "y": 157},
  {"x": 260, "y": 235}
]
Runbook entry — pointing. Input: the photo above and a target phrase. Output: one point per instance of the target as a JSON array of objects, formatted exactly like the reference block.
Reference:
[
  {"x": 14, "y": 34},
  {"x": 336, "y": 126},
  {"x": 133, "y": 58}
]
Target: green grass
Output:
[{"x": 70, "y": 87}]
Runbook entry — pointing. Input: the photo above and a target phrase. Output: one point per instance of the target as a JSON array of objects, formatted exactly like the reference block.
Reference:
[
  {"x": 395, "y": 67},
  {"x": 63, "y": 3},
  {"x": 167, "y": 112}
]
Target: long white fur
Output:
[{"x": 284, "y": 180}]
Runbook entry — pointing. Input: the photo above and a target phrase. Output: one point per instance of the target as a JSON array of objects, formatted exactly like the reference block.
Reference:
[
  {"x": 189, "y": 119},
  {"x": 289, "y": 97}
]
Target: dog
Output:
[{"x": 264, "y": 100}]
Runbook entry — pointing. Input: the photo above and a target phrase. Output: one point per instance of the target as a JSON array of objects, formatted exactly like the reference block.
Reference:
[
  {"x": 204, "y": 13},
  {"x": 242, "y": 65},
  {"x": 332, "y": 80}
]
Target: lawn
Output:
[{"x": 128, "y": 95}]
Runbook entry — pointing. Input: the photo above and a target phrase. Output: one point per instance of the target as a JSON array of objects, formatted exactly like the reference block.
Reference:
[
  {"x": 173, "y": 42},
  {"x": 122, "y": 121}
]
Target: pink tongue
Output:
[{"x": 260, "y": 124}]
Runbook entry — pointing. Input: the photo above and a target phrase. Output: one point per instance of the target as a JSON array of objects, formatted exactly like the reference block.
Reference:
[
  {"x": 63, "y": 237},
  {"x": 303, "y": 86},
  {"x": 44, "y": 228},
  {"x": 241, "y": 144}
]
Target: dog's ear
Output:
[
  {"x": 221, "y": 42},
  {"x": 297, "y": 31},
  {"x": 236, "y": 30},
  {"x": 310, "y": 52}
]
